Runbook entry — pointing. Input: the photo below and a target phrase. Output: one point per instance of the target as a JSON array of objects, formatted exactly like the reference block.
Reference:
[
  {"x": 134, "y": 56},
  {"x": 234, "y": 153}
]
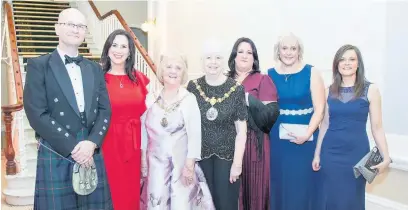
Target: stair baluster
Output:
[{"x": 8, "y": 110}]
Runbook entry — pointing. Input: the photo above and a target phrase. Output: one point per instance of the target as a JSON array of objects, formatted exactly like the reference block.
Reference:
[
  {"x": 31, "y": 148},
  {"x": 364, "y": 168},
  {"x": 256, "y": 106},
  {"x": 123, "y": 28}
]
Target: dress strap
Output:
[
  {"x": 308, "y": 70},
  {"x": 271, "y": 71},
  {"x": 366, "y": 87}
]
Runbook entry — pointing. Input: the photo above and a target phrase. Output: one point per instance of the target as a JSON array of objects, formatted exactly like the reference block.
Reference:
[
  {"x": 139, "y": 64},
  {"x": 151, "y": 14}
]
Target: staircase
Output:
[{"x": 34, "y": 22}]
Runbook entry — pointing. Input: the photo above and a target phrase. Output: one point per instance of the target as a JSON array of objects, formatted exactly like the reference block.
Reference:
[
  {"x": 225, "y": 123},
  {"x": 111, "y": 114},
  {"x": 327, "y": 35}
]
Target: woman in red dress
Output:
[{"x": 127, "y": 92}]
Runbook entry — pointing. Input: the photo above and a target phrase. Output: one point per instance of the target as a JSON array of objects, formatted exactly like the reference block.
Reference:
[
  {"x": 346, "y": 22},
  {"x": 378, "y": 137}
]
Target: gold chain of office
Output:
[{"x": 212, "y": 113}]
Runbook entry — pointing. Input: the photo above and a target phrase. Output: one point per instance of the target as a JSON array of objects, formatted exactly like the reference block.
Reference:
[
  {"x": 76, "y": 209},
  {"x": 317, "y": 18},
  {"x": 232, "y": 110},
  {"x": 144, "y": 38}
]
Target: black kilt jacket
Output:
[{"x": 52, "y": 111}]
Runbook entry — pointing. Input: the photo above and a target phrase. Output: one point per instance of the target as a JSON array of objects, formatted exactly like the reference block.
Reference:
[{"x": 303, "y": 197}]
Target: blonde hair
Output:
[
  {"x": 163, "y": 61},
  {"x": 281, "y": 39}
]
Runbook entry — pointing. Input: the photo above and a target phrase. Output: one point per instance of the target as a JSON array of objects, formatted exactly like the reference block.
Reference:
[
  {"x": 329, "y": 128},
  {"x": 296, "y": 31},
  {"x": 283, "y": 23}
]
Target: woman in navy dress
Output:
[
  {"x": 343, "y": 139},
  {"x": 301, "y": 100}
]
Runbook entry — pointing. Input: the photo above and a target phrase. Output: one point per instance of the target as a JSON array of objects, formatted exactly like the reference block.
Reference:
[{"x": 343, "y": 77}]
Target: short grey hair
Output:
[
  {"x": 213, "y": 45},
  {"x": 279, "y": 42},
  {"x": 163, "y": 61}
]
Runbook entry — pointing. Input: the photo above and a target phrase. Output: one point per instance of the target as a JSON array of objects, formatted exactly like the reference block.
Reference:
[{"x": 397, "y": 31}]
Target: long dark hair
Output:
[
  {"x": 231, "y": 61},
  {"x": 337, "y": 78},
  {"x": 130, "y": 61}
]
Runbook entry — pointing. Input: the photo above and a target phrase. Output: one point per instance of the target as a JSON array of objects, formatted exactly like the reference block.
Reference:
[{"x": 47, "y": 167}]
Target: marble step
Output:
[
  {"x": 20, "y": 197},
  {"x": 20, "y": 189}
]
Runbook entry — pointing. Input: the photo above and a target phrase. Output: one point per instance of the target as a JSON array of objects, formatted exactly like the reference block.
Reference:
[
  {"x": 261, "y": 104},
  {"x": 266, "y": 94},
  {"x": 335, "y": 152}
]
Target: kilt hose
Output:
[{"x": 53, "y": 186}]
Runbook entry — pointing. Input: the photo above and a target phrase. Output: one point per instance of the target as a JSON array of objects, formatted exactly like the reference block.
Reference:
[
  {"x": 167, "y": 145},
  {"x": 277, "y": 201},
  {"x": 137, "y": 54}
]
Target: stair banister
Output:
[
  {"x": 100, "y": 26},
  {"x": 8, "y": 110},
  {"x": 125, "y": 26}
]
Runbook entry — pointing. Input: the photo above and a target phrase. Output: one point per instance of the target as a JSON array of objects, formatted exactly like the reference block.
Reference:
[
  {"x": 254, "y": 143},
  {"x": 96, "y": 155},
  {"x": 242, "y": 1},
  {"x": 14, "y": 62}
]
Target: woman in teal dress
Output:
[{"x": 293, "y": 137}]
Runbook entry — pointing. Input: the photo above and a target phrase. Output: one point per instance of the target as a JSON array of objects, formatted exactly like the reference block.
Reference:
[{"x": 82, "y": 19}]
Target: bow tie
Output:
[{"x": 75, "y": 60}]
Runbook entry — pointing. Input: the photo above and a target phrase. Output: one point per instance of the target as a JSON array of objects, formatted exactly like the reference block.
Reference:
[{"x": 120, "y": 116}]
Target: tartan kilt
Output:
[{"x": 53, "y": 186}]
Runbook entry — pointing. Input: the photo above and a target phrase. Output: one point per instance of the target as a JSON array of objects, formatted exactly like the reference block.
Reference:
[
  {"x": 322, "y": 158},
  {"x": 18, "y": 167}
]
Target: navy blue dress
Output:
[
  {"x": 292, "y": 179},
  {"x": 344, "y": 144}
]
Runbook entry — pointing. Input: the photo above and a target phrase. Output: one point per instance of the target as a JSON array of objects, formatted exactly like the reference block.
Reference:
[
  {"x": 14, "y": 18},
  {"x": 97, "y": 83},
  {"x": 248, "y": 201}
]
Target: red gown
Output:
[
  {"x": 122, "y": 145},
  {"x": 255, "y": 179}
]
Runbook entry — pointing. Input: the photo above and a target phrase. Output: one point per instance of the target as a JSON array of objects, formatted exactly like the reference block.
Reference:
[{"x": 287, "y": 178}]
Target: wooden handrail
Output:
[
  {"x": 11, "y": 167},
  {"x": 139, "y": 46}
]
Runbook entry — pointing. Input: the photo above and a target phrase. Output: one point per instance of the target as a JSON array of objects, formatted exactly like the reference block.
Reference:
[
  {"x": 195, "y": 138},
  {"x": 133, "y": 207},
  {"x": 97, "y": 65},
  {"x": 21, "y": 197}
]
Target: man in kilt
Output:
[{"x": 67, "y": 104}]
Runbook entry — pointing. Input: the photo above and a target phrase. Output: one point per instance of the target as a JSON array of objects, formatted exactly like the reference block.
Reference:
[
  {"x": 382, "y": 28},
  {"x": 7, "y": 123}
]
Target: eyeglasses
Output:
[{"x": 78, "y": 26}]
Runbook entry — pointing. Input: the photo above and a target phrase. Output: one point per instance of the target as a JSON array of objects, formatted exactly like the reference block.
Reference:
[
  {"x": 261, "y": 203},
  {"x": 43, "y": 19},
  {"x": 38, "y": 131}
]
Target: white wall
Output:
[
  {"x": 323, "y": 25},
  {"x": 134, "y": 12},
  {"x": 395, "y": 72},
  {"x": 376, "y": 27}
]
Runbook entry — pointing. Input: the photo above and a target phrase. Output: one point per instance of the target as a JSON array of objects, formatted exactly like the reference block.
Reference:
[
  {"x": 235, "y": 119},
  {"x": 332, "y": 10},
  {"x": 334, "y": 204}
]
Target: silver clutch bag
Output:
[
  {"x": 84, "y": 180},
  {"x": 363, "y": 167},
  {"x": 297, "y": 129}
]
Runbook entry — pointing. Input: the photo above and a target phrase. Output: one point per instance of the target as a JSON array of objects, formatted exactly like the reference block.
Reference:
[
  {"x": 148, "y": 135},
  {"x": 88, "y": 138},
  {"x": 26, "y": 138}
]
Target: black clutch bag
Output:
[{"x": 363, "y": 167}]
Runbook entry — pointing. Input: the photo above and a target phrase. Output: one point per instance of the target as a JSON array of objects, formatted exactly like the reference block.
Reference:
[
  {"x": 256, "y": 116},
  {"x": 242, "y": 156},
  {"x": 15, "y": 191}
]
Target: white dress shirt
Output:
[{"x": 74, "y": 72}]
